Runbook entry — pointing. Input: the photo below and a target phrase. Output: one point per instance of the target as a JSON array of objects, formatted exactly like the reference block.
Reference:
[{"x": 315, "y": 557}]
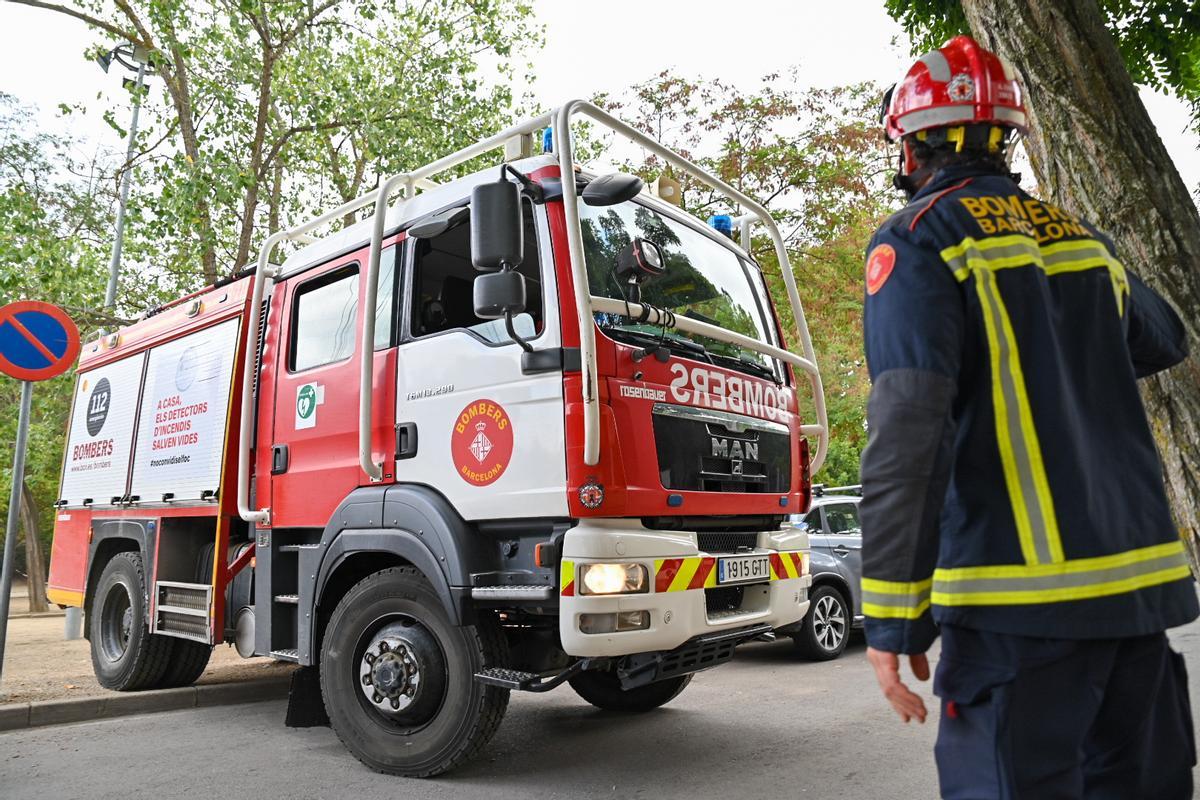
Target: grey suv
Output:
[{"x": 836, "y": 597}]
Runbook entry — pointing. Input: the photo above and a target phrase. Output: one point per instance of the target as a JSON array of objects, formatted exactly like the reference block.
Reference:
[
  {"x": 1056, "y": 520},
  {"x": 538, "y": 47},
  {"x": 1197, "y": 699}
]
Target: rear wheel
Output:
[
  {"x": 125, "y": 655},
  {"x": 826, "y": 628},
  {"x": 602, "y": 688},
  {"x": 188, "y": 662},
  {"x": 398, "y": 677}
]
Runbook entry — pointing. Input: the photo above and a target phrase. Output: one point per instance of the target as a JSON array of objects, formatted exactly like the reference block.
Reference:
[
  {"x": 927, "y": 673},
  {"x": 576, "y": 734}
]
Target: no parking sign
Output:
[{"x": 37, "y": 342}]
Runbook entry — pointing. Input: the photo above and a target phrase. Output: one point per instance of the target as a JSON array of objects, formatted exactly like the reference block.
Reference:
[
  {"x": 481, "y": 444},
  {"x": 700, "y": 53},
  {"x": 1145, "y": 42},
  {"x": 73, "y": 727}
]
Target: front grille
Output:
[
  {"x": 714, "y": 451},
  {"x": 725, "y": 542}
]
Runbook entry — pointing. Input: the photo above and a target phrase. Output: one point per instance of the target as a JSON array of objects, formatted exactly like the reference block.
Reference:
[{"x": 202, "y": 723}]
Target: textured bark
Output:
[
  {"x": 1096, "y": 153},
  {"x": 35, "y": 565}
]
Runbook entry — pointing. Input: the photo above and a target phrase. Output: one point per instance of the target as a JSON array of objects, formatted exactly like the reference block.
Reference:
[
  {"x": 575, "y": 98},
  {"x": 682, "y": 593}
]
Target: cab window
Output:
[
  {"x": 443, "y": 285},
  {"x": 325, "y": 310}
]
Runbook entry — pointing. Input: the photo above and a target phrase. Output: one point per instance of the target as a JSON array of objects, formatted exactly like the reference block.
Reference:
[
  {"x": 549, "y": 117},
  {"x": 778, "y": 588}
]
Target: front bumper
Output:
[{"x": 681, "y": 576}]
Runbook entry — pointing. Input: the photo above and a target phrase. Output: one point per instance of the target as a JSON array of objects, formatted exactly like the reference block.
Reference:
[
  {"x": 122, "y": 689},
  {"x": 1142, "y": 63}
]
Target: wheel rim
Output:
[
  {"x": 401, "y": 672},
  {"x": 116, "y": 622},
  {"x": 829, "y": 622}
]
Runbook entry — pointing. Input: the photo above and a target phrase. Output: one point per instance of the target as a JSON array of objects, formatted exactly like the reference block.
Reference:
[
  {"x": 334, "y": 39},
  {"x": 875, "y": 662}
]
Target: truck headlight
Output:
[{"x": 613, "y": 579}]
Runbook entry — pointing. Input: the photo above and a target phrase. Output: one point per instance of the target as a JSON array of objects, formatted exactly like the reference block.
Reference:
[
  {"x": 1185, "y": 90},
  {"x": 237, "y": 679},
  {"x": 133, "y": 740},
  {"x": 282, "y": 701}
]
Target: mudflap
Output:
[{"x": 306, "y": 708}]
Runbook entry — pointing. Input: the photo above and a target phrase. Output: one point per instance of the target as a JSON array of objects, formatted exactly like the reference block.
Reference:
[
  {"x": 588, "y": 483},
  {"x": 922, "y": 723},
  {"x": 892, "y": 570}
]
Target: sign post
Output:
[{"x": 37, "y": 342}]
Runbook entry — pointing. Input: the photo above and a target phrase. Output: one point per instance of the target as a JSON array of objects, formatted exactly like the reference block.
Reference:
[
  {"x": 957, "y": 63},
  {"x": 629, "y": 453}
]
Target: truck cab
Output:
[{"x": 528, "y": 427}]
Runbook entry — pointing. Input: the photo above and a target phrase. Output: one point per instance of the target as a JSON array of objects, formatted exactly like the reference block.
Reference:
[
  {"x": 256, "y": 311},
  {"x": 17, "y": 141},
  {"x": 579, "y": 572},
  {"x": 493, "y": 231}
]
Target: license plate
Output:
[{"x": 743, "y": 569}]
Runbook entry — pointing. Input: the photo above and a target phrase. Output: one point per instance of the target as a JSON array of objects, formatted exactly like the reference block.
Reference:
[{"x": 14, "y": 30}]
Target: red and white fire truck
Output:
[{"x": 523, "y": 428}]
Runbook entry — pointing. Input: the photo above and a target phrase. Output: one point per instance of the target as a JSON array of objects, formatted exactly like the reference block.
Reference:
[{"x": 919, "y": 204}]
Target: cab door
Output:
[
  {"x": 314, "y": 449},
  {"x": 481, "y": 428}
]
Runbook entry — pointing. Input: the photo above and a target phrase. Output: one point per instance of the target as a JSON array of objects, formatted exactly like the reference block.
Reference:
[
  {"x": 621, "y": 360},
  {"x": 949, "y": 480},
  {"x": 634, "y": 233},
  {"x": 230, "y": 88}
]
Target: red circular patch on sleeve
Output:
[
  {"x": 481, "y": 443},
  {"x": 880, "y": 264}
]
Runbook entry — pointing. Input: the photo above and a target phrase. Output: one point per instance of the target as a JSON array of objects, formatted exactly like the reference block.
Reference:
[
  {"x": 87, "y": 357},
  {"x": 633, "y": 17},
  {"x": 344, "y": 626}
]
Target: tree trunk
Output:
[
  {"x": 34, "y": 563},
  {"x": 1096, "y": 153}
]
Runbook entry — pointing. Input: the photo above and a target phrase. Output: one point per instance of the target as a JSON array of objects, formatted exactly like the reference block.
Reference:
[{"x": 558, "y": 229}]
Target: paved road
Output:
[{"x": 822, "y": 730}]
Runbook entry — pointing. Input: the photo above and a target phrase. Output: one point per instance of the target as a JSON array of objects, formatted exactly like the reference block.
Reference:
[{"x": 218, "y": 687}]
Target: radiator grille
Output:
[{"x": 725, "y": 542}]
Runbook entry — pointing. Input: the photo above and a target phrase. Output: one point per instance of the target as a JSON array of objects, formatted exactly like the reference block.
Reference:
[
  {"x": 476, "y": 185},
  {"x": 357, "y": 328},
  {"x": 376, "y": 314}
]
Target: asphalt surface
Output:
[{"x": 766, "y": 725}]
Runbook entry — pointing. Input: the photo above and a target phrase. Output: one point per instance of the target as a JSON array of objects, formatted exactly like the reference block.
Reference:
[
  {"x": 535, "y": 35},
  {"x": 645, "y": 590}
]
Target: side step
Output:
[
  {"x": 181, "y": 610},
  {"x": 518, "y": 681},
  {"x": 502, "y": 593}
]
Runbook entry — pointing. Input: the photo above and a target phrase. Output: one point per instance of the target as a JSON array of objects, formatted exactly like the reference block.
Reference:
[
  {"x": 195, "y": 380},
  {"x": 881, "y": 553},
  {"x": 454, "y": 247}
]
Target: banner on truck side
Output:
[
  {"x": 97, "y": 458},
  {"x": 185, "y": 407}
]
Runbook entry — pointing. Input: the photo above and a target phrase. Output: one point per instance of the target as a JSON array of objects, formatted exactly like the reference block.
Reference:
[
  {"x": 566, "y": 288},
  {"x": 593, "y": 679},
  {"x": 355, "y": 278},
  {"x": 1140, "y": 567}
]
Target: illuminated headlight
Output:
[{"x": 613, "y": 579}]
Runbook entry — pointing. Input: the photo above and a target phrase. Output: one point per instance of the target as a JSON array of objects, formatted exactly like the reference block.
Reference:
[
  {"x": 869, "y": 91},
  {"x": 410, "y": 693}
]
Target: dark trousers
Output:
[{"x": 1025, "y": 718}]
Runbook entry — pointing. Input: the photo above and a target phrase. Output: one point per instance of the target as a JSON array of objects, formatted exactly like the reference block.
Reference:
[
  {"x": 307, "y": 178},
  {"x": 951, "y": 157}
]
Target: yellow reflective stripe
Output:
[
  {"x": 567, "y": 574},
  {"x": 1078, "y": 579},
  {"x": 1087, "y": 592},
  {"x": 687, "y": 571},
  {"x": 895, "y": 612},
  {"x": 894, "y": 587},
  {"x": 895, "y": 599},
  {"x": 1075, "y": 565},
  {"x": 1033, "y": 448},
  {"x": 64, "y": 597}
]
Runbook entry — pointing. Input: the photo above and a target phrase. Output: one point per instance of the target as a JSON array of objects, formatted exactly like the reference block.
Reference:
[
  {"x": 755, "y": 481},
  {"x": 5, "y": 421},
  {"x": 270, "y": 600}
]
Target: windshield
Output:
[{"x": 703, "y": 280}]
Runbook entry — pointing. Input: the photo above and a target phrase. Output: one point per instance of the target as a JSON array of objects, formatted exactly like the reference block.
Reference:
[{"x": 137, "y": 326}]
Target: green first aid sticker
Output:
[{"x": 308, "y": 397}]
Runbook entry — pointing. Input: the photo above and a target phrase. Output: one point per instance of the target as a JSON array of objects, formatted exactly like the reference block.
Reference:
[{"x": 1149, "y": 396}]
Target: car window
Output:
[
  {"x": 842, "y": 518},
  {"x": 812, "y": 522}
]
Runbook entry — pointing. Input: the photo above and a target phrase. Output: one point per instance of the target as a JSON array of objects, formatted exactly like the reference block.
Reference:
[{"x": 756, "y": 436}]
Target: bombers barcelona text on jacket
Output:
[{"x": 1011, "y": 483}]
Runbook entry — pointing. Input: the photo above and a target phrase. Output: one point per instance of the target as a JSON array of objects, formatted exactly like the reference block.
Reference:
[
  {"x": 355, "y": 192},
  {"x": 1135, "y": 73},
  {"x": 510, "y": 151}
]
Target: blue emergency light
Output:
[
  {"x": 548, "y": 140},
  {"x": 722, "y": 223}
]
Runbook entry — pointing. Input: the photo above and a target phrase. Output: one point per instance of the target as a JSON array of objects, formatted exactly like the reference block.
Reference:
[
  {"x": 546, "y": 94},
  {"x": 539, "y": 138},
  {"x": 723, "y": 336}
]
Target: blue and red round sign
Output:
[{"x": 38, "y": 341}]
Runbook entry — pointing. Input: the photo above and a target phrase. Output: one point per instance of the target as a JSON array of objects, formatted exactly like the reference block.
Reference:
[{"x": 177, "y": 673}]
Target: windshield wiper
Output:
[
  {"x": 747, "y": 364},
  {"x": 653, "y": 342}
]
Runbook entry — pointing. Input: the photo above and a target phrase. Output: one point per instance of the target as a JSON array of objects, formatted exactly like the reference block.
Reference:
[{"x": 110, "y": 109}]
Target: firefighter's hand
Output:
[{"x": 908, "y": 704}]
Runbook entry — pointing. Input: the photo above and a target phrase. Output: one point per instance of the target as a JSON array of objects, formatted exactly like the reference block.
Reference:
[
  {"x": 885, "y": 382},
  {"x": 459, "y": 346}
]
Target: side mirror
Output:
[
  {"x": 499, "y": 294},
  {"x": 497, "y": 235},
  {"x": 608, "y": 190}
]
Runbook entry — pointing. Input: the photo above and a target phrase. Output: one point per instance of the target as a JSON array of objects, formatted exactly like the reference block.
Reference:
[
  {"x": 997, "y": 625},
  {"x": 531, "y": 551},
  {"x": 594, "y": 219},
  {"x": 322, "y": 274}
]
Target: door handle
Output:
[
  {"x": 279, "y": 459},
  {"x": 406, "y": 440},
  {"x": 842, "y": 550}
]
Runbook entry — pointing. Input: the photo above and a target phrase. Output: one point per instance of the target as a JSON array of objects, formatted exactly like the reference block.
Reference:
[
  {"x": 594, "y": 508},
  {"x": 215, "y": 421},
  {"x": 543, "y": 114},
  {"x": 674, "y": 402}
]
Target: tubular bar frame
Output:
[{"x": 585, "y": 302}]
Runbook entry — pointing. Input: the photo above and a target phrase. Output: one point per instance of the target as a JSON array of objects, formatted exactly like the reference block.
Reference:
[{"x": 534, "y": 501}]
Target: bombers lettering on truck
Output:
[{"x": 717, "y": 390}]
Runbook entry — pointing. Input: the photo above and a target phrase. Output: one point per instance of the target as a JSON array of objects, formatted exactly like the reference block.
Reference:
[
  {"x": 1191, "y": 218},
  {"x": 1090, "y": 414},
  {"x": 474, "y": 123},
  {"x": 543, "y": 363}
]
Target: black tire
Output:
[
  {"x": 602, "y": 689},
  {"x": 450, "y": 715},
  {"x": 825, "y": 629},
  {"x": 125, "y": 655},
  {"x": 188, "y": 662}
]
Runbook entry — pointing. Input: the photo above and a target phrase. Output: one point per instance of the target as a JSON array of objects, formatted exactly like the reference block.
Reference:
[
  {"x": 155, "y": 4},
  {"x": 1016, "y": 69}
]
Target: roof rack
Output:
[
  {"x": 585, "y": 302},
  {"x": 820, "y": 490}
]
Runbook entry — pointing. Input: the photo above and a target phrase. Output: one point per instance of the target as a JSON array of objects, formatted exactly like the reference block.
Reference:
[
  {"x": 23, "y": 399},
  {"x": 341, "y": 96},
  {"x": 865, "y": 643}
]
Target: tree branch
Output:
[{"x": 95, "y": 22}]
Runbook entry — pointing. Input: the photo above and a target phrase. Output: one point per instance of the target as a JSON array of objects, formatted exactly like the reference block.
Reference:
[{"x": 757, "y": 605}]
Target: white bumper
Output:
[{"x": 680, "y": 575}]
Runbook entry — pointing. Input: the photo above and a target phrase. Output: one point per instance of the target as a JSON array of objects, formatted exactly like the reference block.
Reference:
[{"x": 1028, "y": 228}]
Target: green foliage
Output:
[
  {"x": 815, "y": 158},
  {"x": 1159, "y": 39},
  {"x": 54, "y": 223}
]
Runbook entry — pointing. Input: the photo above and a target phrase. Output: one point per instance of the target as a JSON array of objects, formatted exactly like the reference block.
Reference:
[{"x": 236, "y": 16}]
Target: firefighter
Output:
[{"x": 1012, "y": 495}]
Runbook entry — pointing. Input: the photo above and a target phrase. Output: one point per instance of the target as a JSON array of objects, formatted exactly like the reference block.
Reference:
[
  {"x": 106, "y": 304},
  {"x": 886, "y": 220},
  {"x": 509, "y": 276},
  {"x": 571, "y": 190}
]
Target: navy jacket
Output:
[{"x": 1011, "y": 482}]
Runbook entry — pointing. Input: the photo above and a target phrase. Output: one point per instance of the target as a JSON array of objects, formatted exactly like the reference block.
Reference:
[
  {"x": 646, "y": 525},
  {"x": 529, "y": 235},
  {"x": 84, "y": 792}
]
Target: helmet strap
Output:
[{"x": 907, "y": 179}]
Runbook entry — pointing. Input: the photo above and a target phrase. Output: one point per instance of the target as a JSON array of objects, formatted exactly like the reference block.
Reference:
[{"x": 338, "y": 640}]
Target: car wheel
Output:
[
  {"x": 826, "y": 628},
  {"x": 398, "y": 677},
  {"x": 602, "y": 688},
  {"x": 125, "y": 655}
]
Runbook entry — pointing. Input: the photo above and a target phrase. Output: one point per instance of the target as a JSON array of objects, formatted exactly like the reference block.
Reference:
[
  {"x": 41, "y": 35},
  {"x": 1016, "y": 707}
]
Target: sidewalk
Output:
[{"x": 40, "y": 665}]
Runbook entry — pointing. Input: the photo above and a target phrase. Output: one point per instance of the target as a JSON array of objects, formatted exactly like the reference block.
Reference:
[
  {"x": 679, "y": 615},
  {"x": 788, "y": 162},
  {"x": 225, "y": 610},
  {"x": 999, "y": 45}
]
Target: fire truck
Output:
[{"x": 522, "y": 428}]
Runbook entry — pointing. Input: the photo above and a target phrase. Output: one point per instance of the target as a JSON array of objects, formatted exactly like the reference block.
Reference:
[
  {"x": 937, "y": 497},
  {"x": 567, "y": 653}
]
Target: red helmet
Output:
[{"x": 959, "y": 84}]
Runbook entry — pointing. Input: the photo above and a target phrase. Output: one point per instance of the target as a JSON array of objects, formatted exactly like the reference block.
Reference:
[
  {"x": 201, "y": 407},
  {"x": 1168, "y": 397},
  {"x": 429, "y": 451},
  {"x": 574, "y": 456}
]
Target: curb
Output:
[{"x": 17, "y": 716}]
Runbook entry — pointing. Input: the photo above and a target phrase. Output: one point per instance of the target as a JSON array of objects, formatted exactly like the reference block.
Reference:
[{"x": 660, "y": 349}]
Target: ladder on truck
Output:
[{"x": 586, "y": 303}]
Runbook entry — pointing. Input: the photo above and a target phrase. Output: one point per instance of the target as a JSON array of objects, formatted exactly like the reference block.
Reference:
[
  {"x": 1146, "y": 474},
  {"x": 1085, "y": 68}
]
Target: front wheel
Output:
[
  {"x": 398, "y": 677},
  {"x": 602, "y": 688},
  {"x": 826, "y": 628}
]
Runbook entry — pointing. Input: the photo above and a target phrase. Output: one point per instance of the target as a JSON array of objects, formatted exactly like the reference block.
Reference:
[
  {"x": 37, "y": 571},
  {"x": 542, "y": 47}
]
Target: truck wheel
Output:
[
  {"x": 125, "y": 655},
  {"x": 603, "y": 689},
  {"x": 826, "y": 627},
  {"x": 188, "y": 662},
  {"x": 398, "y": 677}
]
